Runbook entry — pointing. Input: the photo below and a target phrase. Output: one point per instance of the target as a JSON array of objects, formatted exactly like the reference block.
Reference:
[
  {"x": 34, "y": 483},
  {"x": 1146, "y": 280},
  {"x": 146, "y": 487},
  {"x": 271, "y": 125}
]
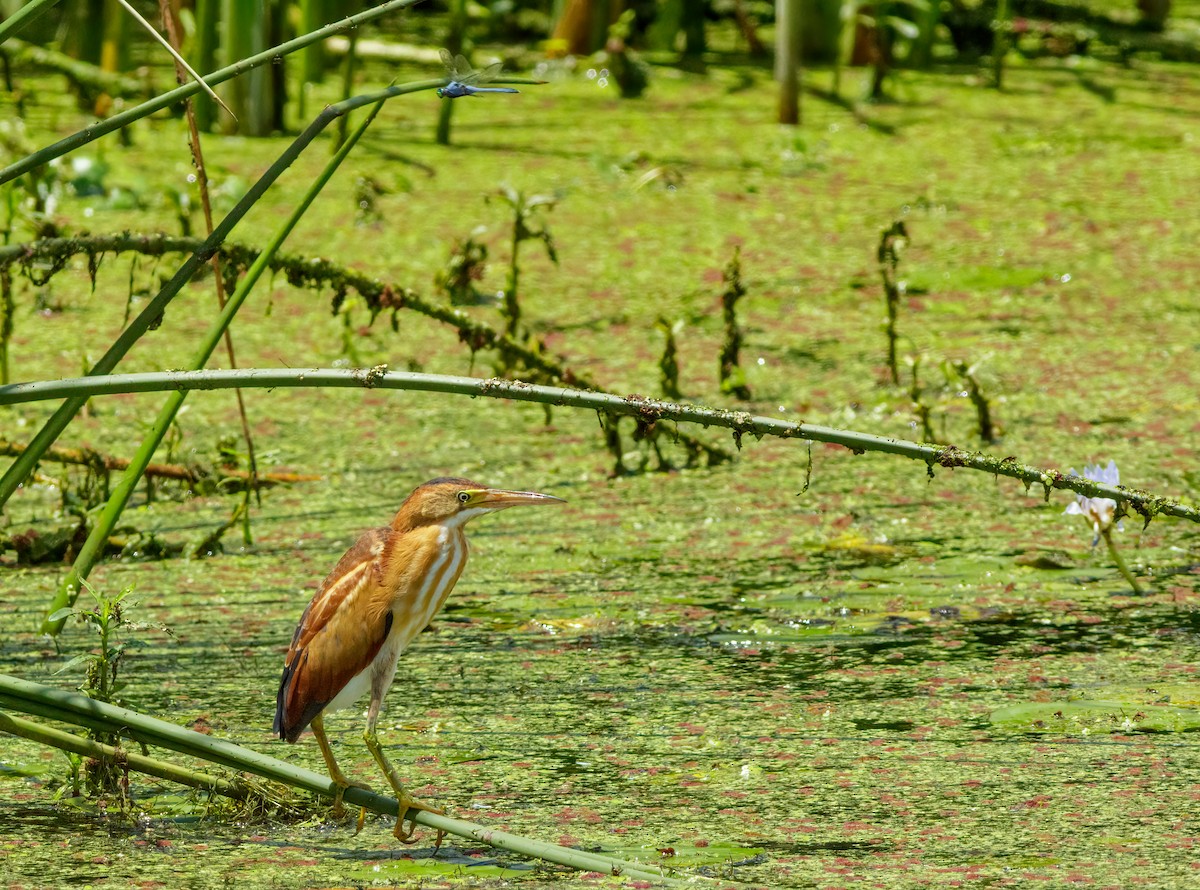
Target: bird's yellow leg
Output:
[
  {"x": 403, "y": 833},
  {"x": 335, "y": 772}
]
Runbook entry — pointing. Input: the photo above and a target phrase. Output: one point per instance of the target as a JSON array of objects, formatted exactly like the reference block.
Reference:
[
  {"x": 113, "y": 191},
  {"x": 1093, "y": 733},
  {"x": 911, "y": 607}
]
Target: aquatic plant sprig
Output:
[
  {"x": 729, "y": 370},
  {"x": 1101, "y": 512},
  {"x": 102, "y": 681},
  {"x": 892, "y": 241},
  {"x": 524, "y": 208},
  {"x": 1146, "y": 504},
  {"x": 151, "y": 766}
]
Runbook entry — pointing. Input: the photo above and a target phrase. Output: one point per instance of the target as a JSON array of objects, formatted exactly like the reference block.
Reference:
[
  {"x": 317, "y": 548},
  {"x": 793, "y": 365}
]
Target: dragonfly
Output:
[{"x": 463, "y": 78}]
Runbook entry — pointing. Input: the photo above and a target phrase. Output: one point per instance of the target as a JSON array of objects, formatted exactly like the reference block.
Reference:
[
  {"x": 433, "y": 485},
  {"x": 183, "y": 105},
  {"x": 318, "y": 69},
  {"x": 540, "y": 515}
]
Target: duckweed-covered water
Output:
[{"x": 885, "y": 680}]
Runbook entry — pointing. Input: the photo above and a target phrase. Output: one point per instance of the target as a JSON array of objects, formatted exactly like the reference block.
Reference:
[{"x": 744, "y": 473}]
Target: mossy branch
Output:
[
  {"x": 81, "y": 73},
  {"x": 316, "y": 273},
  {"x": 191, "y": 474},
  {"x": 71, "y": 707},
  {"x": 647, "y": 411},
  {"x": 307, "y": 272}
]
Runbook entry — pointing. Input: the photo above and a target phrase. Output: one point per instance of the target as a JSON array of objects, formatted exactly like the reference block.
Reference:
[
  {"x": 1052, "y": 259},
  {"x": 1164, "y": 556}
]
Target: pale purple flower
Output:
[{"x": 1098, "y": 511}]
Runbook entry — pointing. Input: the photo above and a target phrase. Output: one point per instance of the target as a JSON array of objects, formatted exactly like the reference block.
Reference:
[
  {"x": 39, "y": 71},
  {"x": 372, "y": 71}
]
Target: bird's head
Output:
[{"x": 453, "y": 502}]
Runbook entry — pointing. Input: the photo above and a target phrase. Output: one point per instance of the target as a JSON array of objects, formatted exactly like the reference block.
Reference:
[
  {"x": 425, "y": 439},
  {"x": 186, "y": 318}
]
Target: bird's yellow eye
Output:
[{"x": 464, "y": 496}]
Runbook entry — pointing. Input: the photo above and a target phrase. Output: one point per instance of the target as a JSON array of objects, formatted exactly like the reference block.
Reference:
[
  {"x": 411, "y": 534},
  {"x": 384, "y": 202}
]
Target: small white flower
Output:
[{"x": 1098, "y": 511}]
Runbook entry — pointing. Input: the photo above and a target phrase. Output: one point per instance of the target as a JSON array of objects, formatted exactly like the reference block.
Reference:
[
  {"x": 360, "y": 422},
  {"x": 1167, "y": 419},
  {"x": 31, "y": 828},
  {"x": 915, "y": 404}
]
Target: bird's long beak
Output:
[{"x": 499, "y": 499}]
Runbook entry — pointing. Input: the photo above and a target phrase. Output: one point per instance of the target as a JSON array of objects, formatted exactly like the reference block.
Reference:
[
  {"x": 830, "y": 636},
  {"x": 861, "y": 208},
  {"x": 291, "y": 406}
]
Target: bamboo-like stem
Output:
[
  {"x": 1145, "y": 503},
  {"x": 204, "y": 49},
  {"x": 24, "y": 16},
  {"x": 58, "y": 704},
  {"x": 347, "y": 81},
  {"x": 455, "y": 35},
  {"x": 68, "y": 588},
  {"x": 151, "y": 766},
  {"x": 117, "y": 121},
  {"x": 1119, "y": 560},
  {"x": 154, "y": 309},
  {"x": 180, "y": 62},
  {"x": 1001, "y": 28},
  {"x": 168, "y": 17}
]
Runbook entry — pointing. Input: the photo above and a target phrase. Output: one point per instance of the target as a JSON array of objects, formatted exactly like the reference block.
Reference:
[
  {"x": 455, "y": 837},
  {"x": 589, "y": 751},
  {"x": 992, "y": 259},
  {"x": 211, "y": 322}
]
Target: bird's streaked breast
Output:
[{"x": 434, "y": 569}]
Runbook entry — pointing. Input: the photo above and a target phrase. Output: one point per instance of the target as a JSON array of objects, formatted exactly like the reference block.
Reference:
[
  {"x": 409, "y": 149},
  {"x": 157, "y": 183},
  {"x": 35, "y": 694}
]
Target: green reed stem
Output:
[
  {"x": 68, "y": 588},
  {"x": 71, "y": 707},
  {"x": 21, "y": 468},
  {"x": 151, "y": 766},
  {"x": 647, "y": 410},
  {"x": 125, "y": 118},
  {"x": 1119, "y": 560},
  {"x": 24, "y": 16}
]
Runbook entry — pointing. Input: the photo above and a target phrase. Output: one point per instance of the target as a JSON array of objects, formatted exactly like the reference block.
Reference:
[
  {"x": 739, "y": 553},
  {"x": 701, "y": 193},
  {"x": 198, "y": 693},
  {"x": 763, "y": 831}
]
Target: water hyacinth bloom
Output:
[{"x": 1098, "y": 511}]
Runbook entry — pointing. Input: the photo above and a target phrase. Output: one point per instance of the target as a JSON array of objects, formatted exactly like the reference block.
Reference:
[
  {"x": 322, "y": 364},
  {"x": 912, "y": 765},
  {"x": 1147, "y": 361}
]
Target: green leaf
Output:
[
  {"x": 78, "y": 659},
  {"x": 904, "y": 27},
  {"x": 1097, "y": 715}
]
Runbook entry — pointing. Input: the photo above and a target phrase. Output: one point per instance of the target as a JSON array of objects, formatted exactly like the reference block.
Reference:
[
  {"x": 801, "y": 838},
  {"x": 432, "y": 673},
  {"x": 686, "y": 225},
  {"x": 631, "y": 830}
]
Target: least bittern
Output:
[{"x": 380, "y": 595}]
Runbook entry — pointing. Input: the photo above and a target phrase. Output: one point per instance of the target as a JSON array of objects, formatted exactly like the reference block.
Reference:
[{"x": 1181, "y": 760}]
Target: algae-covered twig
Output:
[
  {"x": 1145, "y": 503},
  {"x": 321, "y": 274},
  {"x": 733, "y": 378},
  {"x": 224, "y": 478}
]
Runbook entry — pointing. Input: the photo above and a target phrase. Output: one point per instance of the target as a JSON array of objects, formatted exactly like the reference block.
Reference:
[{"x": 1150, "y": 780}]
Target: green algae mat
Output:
[{"x": 796, "y": 669}]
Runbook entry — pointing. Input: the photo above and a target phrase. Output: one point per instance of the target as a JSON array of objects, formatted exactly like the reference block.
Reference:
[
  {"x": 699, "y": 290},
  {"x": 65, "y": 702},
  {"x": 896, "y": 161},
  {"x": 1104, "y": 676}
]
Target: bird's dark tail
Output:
[{"x": 279, "y": 727}]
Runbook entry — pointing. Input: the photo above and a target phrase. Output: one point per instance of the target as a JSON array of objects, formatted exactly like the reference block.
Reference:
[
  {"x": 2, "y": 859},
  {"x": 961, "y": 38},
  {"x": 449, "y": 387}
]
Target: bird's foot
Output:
[
  {"x": 339, "y": 809},
  {"x": 406, "y": 825}
]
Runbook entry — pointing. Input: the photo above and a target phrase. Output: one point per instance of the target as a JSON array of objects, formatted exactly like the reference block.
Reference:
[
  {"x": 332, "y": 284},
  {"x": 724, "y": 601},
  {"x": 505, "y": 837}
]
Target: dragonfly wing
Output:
[
  {"x": 457, "y": 66},
  {"x": 483, "y": 75}
]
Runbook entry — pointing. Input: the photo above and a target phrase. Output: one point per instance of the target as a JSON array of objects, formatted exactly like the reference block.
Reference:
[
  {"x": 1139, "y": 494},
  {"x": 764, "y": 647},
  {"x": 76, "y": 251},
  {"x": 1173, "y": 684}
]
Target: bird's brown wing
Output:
[{"x": 339, "y": 634}]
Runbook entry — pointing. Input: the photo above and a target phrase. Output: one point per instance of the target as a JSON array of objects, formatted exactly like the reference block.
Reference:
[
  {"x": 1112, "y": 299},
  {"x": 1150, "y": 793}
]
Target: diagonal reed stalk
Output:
[
  {"x": 71, "y": 707},
  {"x": 150, "y": 766},
  {"x": 24, "y": 16},
  {"x": 166, "y": 100},
  {"x": 20, "y": 469},
  {"x": 649, "y": 411},
  {"x": 169, "y": 24},
  {"x": 68, "y": 588}
]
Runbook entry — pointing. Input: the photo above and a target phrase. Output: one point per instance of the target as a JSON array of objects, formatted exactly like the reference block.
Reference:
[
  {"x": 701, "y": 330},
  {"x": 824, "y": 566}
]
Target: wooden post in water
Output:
[{"x": 787, "y": 59}]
